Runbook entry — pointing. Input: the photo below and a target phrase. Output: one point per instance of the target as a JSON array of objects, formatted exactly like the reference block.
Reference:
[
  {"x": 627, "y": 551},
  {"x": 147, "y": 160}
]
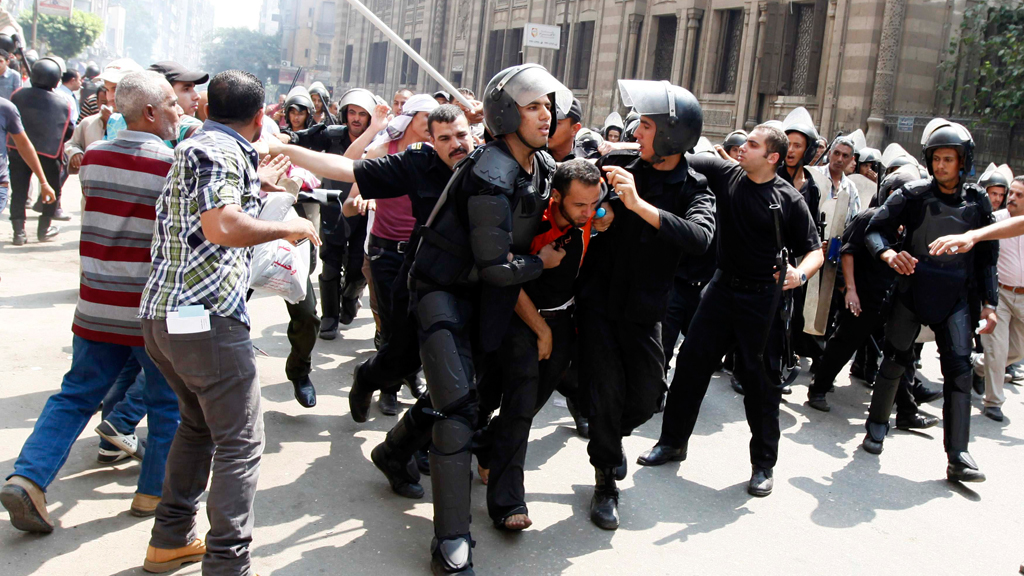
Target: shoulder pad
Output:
[
  {"x": 916, "y": 188},
  {"x": 415, "y": 146},
  {"x": 496, "y": 168},
  {"x": 546, "y": 161}
]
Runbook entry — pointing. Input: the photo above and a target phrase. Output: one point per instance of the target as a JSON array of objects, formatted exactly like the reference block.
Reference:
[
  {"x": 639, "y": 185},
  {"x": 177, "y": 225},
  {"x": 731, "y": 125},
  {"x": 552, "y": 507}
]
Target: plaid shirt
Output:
[{"x": 214, "y": 168}]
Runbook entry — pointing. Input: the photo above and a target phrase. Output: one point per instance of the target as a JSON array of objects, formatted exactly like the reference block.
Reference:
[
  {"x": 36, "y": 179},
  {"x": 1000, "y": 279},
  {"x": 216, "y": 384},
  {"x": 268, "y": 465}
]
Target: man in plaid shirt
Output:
[{"x": 196, "y": 328}]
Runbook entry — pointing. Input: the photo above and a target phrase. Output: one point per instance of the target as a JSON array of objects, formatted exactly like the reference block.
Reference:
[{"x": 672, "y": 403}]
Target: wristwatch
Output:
[{"x": 803, "y": 277}]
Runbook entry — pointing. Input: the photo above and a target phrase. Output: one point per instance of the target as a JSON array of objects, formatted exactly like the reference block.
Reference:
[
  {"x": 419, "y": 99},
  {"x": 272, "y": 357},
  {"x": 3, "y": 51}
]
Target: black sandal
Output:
[{"x": 502, "y": 523}]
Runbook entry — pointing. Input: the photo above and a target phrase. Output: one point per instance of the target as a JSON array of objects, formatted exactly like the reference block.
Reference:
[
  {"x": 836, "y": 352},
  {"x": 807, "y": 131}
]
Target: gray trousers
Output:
[{"x": 214, "y": 375}]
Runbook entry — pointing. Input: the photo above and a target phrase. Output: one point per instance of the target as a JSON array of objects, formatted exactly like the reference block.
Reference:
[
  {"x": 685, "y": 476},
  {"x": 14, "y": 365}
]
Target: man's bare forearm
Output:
[
  {"x": 527, "y": 312},
  {"x": 847, "y": 262},
  {"x": 231, "y": 227},
  {"x": 1009, "y": 228},
  {"x": 325, "y": 165}
]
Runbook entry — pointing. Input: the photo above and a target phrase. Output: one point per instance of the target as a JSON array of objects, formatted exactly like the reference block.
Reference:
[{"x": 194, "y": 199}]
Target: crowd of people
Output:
[{"x": 509, "y": 253}]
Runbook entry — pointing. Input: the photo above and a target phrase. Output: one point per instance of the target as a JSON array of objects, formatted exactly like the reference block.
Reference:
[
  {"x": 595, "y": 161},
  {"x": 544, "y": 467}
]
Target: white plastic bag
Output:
[{"x": 279, "y": 267}]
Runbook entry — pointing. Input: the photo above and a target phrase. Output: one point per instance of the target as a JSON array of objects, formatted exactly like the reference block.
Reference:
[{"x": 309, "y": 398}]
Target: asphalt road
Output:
[{"x": 322, "y": 508}]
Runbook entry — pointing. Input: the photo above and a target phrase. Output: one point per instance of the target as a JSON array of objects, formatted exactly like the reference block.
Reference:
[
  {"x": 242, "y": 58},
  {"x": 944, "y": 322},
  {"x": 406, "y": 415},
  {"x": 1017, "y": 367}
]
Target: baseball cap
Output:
[
  {"x": 175, "y": 72},
  {"x": 118, "y": 69},
  {"x": 575, "y": 111},
  {"x": 443, "y": 94}
]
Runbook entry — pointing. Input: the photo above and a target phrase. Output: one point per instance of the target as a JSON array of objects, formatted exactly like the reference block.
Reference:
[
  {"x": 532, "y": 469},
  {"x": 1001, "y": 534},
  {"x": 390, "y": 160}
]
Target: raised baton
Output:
[{"x": 410, "y": 52}]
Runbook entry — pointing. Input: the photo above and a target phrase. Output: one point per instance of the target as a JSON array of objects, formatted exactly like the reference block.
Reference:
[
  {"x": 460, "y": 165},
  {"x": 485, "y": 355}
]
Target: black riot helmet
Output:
[
  {"x": 800, "y": 121},
  {"x": 92, "y": 70},
  {"x": 870, "y": 156},
  {"x": 947, "y": 134},
  {"x": 9, "y": 43},
  {"x": 676, "y": 114},
  {"x": 520, "y": 85},
  {"x": 46, "y": 74},
  {"x": 320, "y": 90},
  {"x": 734, "y": 139}
]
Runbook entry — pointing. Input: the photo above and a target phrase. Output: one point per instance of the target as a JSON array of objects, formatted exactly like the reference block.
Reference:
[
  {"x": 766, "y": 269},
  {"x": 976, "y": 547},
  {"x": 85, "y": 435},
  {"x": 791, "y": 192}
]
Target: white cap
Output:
[{"x": 118, "y": 69}]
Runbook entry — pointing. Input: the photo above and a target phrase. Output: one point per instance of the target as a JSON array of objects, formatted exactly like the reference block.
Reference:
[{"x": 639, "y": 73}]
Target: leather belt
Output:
[
  {"x": 1014, "y": 289},
  {"x": 556, "y": 313},
  {"x": 743, "y": 284},
  {"x": 392, "y": 245}
]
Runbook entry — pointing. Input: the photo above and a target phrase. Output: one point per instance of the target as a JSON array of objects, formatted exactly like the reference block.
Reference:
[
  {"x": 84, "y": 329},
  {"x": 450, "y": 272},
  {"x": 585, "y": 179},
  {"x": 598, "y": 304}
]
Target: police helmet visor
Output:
[{"x": 526, "y": 84}]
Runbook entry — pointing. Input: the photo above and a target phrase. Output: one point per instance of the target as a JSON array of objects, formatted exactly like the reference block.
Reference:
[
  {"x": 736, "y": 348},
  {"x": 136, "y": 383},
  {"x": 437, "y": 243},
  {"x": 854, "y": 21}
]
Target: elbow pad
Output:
[
  {"x": 520, "y": 270},
  {"x": 875, "y": 243}
]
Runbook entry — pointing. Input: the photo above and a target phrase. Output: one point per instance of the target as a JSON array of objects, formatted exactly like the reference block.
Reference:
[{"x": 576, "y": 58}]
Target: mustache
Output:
[{"x": 459, "y": 149}]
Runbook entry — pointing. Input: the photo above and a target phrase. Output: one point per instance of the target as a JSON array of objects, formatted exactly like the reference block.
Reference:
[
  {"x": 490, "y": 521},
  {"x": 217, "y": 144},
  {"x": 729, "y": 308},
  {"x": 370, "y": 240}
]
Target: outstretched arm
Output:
[
  {"x": 325, "y": 165},
  {"x": 1009, "y": 228}
]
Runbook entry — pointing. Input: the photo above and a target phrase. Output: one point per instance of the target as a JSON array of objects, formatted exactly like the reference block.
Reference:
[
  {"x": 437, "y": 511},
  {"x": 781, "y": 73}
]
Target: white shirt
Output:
[
  {"x": 1011, "y": 256},
  {"x": 73, "y": 99}
]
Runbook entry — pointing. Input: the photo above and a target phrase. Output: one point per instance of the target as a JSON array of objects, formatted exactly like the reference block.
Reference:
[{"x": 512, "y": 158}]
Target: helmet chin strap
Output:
[{"x": 528, "y": 145}]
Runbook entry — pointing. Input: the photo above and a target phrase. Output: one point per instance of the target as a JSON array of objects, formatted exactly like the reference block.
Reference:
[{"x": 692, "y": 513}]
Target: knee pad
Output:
[
  {"x": 447, "y": 381},
  {"x": 437, "y": 309},
  {"x": 452, "y": 436},
  {"x": 891, "y": 368},
  {"x": 330, "y": 273}
]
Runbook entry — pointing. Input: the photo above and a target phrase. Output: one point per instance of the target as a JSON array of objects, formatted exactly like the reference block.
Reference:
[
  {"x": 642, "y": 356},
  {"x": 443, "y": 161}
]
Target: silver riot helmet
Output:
[
  {"x": 996, "y": 176},
  {"x": 676, "y": 114},
  {"x": 800, "y": 121},
  {"x": 942, "y": 133},
  {"x": 895, "y": 156},
  {"x": 735, "y": 139},
  {"x": 320, "y": 90},
  {"x": 360, "y": 97},
  {"x": 518, "y": 86},
  {"x": 612, "y": 122}
]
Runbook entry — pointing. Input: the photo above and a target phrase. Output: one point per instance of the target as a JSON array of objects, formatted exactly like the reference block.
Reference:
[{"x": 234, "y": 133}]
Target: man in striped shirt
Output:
[{"x": 121, "y": 181}]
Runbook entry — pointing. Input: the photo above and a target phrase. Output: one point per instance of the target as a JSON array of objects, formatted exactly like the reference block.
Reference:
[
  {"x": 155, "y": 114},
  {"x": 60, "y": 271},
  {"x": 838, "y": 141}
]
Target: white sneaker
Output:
[
  {"x": 111, "y": 456},
  {"x": 129, "y": 443}
]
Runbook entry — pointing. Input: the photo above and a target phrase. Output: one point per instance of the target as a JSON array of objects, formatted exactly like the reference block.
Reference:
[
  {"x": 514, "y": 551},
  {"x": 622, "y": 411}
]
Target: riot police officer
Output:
[
  {"x": 46, "y": 116},
  {"x": 665, "y": 211},
  {"x": 932, "y": 290}
]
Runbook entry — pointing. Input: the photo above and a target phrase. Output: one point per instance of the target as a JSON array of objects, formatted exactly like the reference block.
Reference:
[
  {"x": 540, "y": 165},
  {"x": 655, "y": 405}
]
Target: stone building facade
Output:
[{"x": 869, "y": 64}]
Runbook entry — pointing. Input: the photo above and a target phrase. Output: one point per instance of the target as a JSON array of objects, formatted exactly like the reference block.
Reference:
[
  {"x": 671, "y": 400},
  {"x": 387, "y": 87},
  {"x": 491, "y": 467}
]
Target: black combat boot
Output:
[
  {"x": 604, "y": 506},
  {"x": 19, "y": 232}
]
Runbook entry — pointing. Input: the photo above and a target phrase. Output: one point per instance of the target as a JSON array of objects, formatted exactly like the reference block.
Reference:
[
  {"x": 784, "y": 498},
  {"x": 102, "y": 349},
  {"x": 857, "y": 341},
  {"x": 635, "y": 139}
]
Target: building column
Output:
[
  {"x": 679, "y": 52},
  {"x": 746, "y": 58},
  {"x": 836, "y": 25},
  {"x": 755, "y": 75},
  {"x": 625, "y": 70},
  {"x": 885, "y": 70},
  {"x": 693, "y": 18}
]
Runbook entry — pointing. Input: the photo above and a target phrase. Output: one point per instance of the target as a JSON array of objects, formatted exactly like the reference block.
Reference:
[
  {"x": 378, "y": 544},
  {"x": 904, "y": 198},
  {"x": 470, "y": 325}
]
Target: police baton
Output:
[{"x": 362, "y": 9}]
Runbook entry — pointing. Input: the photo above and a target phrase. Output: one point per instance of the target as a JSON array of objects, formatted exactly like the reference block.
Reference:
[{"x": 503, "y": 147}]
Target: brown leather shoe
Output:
[
  {"x": 144, "y": 505},
  {"x": 26, "y": 503},
  {"x": 160, "y": 560}
]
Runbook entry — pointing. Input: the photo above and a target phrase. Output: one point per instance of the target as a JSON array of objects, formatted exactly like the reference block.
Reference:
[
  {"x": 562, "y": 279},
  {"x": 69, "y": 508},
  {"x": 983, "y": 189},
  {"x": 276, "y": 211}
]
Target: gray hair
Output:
[{"x": 136, "y": 91}]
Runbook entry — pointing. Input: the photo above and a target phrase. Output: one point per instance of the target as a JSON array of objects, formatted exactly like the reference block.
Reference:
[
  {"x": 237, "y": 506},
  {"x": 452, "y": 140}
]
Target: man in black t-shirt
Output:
[{"x": 759, "y": 214}]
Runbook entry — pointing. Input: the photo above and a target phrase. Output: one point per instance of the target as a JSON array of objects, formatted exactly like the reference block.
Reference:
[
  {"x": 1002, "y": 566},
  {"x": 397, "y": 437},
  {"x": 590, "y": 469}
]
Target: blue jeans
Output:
[
  {"x": 5, "y": 193},
  {"x": 123, "y": 406},
  {"x": 94, "y": 368}
]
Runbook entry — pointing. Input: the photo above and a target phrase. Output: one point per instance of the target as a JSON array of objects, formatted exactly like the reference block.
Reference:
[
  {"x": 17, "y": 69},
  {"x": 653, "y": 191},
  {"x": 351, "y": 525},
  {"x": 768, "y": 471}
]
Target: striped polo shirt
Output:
[{"x": 121, "y": 182}]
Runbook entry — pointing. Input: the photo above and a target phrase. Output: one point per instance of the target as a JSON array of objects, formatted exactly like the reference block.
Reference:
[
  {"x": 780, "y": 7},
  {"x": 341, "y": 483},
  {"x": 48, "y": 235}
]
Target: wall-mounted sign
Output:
[
  {"x": 56, "y": 7},
  {"x": 542, "y": 36}
]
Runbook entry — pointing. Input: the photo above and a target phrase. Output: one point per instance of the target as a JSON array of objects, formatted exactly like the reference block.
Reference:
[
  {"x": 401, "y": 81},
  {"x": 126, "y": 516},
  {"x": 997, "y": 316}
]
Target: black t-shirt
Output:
[
  {"x": 746, "y": 227},
  {"x": 417, "y": 172},
  {"x": 872, "y": 276}
]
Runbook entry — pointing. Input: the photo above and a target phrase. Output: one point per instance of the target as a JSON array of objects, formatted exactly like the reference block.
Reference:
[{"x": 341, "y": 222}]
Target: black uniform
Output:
[
  {"x": 46, "y": 116},
  {"x": 470, "y": 263},
  {"x": 342, "y": 249},
  {"x": 873, "y": 279},
  {"x": 692, "y": 275},
  {"x": 419, "y": 173},
  {"x": 735, "y": 309},
  {"x": 935, "y": 295},
  {"x": 624, "y": 295}
]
